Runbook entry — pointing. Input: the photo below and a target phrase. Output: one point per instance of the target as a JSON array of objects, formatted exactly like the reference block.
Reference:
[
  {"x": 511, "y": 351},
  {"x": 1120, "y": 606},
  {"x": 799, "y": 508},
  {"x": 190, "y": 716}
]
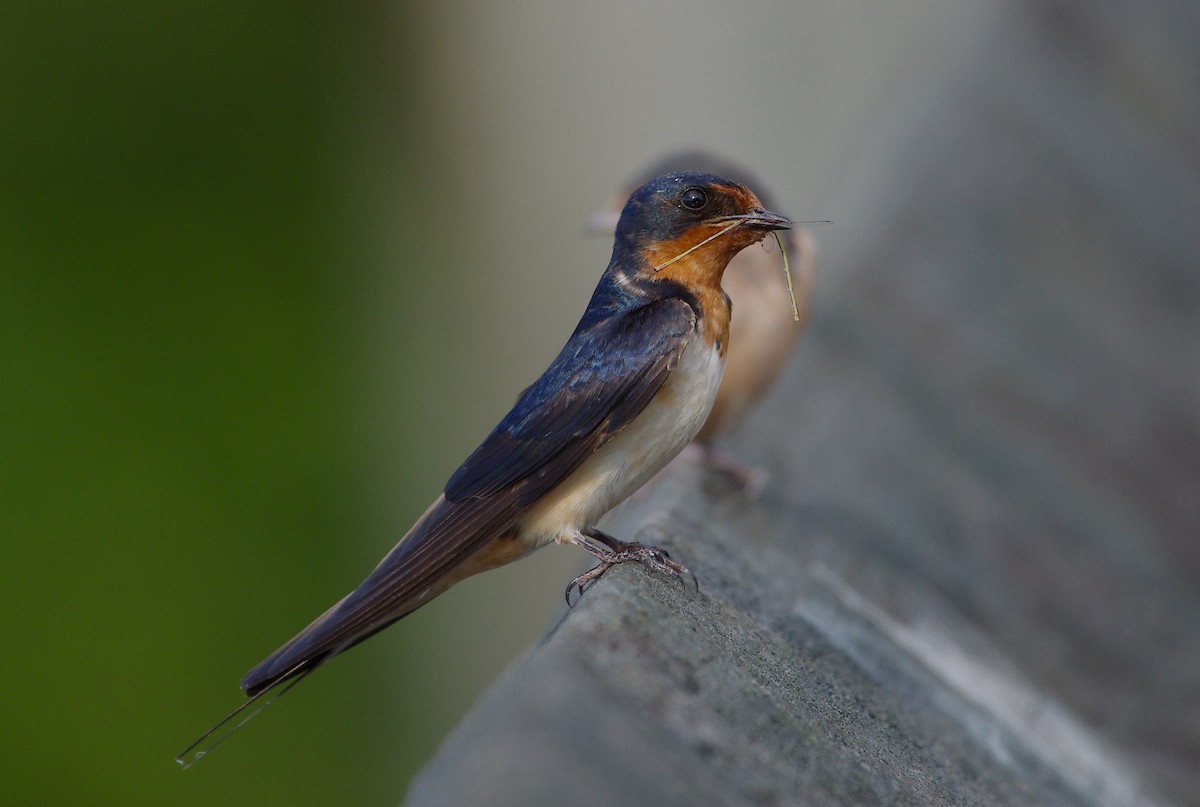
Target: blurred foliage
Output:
[{"x": 173, "y": 318}]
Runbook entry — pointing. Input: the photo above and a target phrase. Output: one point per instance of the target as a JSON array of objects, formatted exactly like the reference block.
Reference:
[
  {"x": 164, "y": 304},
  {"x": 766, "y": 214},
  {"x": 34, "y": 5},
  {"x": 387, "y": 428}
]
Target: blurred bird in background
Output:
[
  {"x": 631, "y": 388},
  {"x": 762, "y": 331}
]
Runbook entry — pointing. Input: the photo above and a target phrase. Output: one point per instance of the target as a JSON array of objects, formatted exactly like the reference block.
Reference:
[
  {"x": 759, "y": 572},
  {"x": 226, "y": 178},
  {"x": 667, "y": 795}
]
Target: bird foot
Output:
[{"x": 615, "y": 552}]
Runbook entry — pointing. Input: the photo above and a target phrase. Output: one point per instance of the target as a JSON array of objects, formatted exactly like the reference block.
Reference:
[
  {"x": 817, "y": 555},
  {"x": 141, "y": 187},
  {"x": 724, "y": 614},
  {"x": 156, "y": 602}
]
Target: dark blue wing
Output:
[
  {"x": 602, "y": 379},
  {"x": 610, "y": 369}
]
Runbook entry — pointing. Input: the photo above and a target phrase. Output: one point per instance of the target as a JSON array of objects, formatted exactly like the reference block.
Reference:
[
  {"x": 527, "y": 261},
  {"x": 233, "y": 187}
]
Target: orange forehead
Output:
[{"x": 743, "y": 196}]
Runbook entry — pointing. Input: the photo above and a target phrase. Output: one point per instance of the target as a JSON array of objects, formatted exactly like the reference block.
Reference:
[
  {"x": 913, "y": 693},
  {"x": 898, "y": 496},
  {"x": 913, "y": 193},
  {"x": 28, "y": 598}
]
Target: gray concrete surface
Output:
[{"x": 973, "y": 578}]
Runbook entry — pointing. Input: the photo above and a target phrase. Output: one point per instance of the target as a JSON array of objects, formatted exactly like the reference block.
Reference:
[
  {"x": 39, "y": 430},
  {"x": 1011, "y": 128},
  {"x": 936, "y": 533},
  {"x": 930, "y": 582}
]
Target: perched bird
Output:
[
  {"x": 630, "y": 389},
  {"x": 762, "y": 332}
]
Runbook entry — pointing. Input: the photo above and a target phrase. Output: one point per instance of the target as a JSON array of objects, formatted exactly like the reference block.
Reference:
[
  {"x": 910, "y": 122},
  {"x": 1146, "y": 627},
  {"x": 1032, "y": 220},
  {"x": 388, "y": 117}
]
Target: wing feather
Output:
[
  {"x": 603, "y": 378},
  {"x": 600, "y": 382}
]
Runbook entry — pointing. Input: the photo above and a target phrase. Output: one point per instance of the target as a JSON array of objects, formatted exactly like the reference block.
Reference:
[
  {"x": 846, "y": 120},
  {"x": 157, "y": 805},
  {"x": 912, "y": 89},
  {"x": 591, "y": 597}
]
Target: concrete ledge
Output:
[{"x": 975, "y": 575}]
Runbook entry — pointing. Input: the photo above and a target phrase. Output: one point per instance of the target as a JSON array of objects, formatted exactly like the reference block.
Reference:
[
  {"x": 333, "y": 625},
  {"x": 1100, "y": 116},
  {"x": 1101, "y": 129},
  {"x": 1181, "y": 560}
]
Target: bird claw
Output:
[
  {"x": 652, "y": 556},
  {"x": 583, "y": 581}
]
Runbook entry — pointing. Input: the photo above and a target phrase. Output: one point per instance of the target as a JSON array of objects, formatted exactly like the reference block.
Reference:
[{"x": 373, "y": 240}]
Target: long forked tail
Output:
[
  {"x": 436, "y": 553},
  {"x": 201, "y": 748},
  {"x": 442, "y": 548}
]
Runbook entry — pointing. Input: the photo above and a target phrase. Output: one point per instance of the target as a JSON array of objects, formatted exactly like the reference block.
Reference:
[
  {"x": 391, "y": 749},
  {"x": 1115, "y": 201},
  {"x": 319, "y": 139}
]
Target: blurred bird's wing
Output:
[{"x": 603, "y": 378}]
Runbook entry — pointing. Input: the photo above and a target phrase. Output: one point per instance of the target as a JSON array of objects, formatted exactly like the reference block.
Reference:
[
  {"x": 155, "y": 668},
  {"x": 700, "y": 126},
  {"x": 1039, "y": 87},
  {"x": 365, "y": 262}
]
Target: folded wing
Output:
[{"x": 601, "y": 380}]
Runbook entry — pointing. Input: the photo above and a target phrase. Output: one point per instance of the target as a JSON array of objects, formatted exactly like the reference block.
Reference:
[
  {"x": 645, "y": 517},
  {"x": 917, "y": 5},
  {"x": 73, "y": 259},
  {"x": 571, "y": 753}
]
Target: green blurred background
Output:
[{"x": 268, "y": 271}]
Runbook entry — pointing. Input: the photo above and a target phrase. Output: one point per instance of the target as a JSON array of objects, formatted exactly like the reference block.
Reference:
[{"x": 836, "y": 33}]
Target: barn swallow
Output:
[
  {"x": 762, "y": 333},
  {"x": 630, "y": 389}
]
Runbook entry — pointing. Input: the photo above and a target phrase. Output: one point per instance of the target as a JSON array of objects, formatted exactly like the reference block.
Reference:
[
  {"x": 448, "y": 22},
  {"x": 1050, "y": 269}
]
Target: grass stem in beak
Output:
[{"x": 787, "y": 275}]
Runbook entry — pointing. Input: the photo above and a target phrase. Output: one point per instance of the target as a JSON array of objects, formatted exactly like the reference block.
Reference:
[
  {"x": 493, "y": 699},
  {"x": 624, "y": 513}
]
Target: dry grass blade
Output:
[{"x": 787, "y": 274}]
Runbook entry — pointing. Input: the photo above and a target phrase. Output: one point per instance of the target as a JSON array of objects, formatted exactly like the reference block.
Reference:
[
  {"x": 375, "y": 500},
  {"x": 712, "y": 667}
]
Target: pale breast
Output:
[{"x": 631, "y": 458}]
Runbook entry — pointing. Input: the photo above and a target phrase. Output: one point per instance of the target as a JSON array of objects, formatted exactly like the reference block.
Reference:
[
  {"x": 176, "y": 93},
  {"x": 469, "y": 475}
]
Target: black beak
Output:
[
  {"x": 766, "y": 220},
  {"x": 757, "y": 219}
]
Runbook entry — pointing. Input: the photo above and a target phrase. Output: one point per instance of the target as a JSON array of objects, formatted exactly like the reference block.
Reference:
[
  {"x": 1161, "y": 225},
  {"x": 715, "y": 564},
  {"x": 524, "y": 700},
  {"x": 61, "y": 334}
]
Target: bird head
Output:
[{"x": 687, "y": 226}]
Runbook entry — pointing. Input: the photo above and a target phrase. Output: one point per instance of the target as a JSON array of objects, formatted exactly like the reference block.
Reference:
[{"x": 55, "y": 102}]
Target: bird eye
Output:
[{"x": 694, "y": 199}]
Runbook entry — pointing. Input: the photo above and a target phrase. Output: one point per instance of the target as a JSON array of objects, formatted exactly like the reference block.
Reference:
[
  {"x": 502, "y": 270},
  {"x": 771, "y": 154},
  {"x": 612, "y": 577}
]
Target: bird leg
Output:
[{"x": 610, "y": 551}]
